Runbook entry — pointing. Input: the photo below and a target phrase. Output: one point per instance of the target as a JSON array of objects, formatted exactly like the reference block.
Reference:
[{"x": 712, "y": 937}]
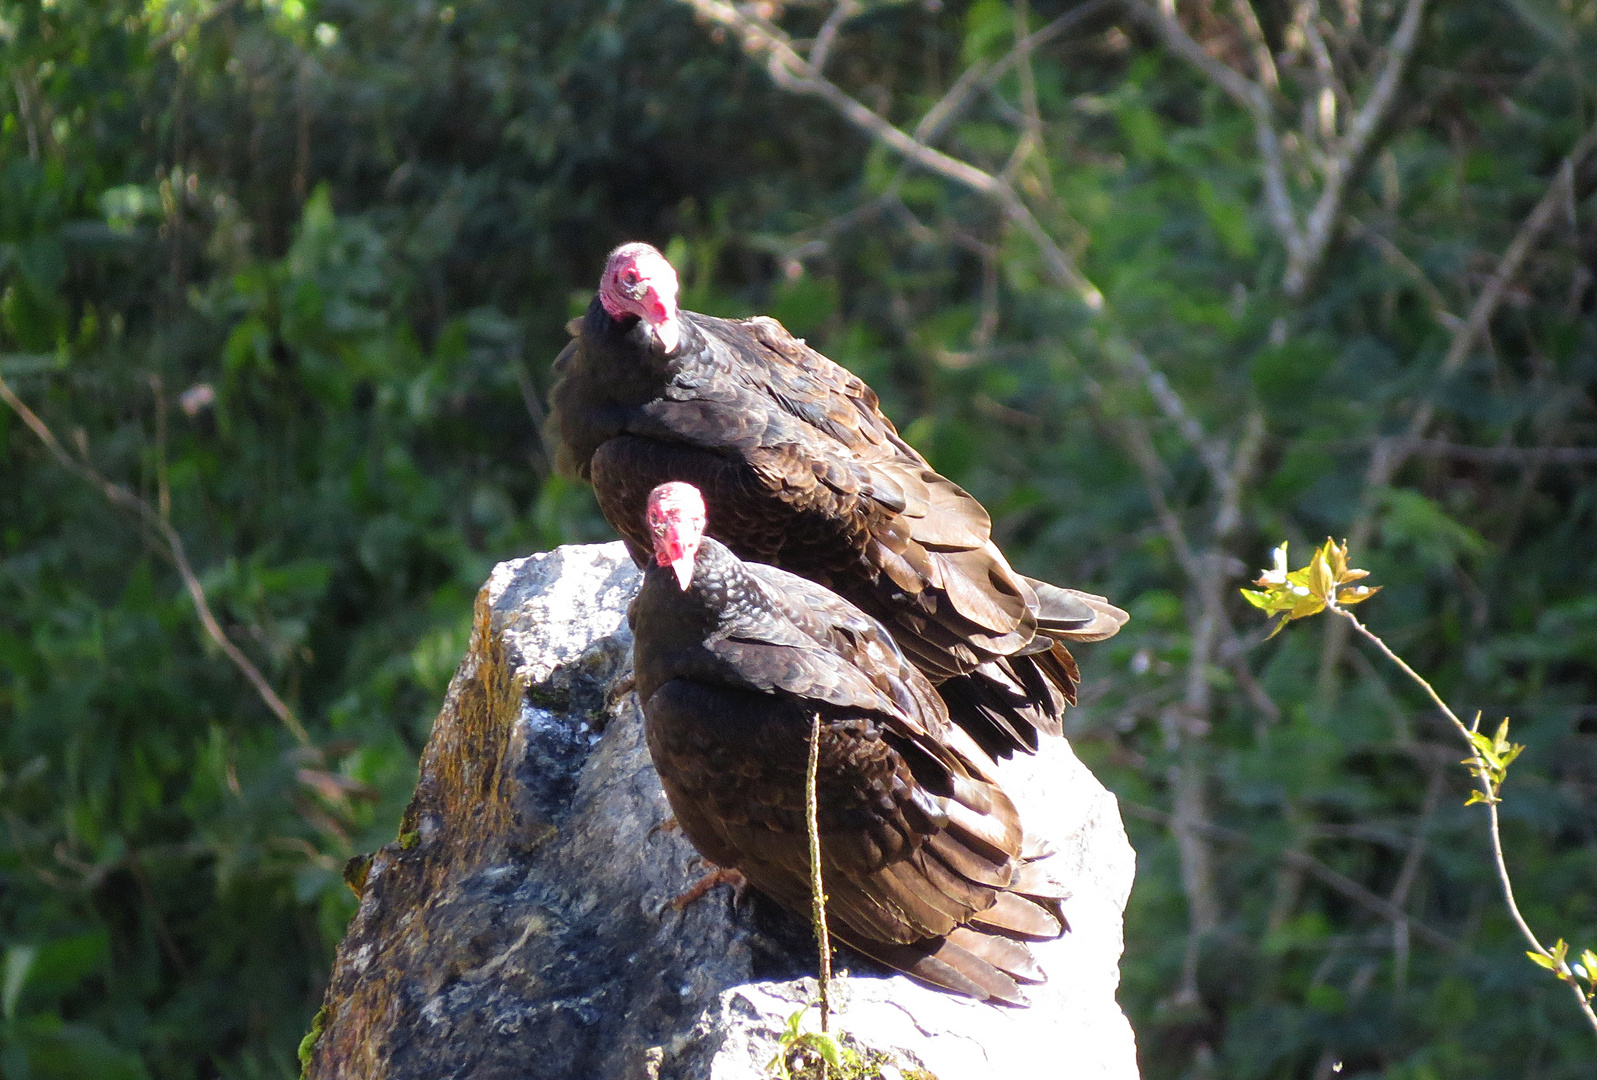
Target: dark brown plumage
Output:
[
  {"x": 925, "y": 863},
  {"x": 803, "y": 471}
]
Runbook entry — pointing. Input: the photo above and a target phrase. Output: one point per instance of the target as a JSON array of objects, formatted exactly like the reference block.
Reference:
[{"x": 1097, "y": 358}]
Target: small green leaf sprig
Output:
[
  {"x": 1327, "y": 583},
  {"x": 797, "y": 1051},
  {"x": 1581, "y": 976},
  {"x": 820, "y": 1055},
  {"x": 1489, "y": 764}
]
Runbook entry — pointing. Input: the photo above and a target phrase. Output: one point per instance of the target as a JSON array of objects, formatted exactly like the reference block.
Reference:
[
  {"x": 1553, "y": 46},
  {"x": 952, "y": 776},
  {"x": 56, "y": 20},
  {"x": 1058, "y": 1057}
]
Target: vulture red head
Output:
[
  {"x": 676, "y": 522},
  {"x": 639, "y": 281}
]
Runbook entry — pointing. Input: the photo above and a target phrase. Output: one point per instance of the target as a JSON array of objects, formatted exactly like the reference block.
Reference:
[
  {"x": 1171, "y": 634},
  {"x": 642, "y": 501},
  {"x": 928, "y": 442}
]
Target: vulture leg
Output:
[{"x": 719, "y": 876}]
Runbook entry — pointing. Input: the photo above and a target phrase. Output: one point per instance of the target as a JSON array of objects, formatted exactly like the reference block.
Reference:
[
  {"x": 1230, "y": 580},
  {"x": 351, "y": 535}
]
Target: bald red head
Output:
[
  {"x": 639, "y": 281},
  {"x": 676, "y": 522}
]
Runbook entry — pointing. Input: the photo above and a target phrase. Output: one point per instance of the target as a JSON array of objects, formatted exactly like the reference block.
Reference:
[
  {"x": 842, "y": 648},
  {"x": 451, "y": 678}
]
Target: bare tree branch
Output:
[
  {"x": 1503, "y": 455},
  {"x": 1032, "y": 143},
  {"x": 1139, "y": 444},
  {"x": 1262, "y": 60},
  {"x": 1345, "y": 158},
  {"x": 1308, "y": 19},
  {"x": 982, "y": 74},
  {"x": 1210, "y": 451},
  {"x": 1396, "y": 257},
  {"x": 1252, "y": 97},
  {"x": 121, "y": 496},
  {"x": 1306, "y": 245},
  {"x": 1546, "y": 209},
  {"x": 792, "y": 72},
  {"x": 1406, "y": 877},
  {"x": 1389, "y": 454},
  {"x": 822, "y": 48}
]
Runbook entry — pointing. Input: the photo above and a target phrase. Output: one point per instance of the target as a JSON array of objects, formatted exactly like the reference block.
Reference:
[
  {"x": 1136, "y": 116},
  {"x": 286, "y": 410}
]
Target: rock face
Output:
[{"x": 521, "y": 925}]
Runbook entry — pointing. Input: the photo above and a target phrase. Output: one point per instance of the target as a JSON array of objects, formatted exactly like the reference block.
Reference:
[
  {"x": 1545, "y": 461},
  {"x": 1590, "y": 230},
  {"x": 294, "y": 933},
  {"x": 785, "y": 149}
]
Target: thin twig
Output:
[
  {"x": 1350, "y": 151},
  {"x": 1410, "y": 873},
  {"x": 1389, "y": 454},
  {"x": 25, "y": 110},
  {"x": 1032, "y": 143},
  {"x": 121, "y": 496},
  {"x": 529, "y": 398},
  {"x": 1308, "y": 17},
  {"x": 844, "y": 11},
  {"x": 817, "y": 893},
  {"x": 1395, "y": 255},
  {"x": 1485, "y": 306},
  {"x": 1306, "y": 245},
  {"x": 1483, "y": 774},
  {"x": 794, "y": 73},
  {"x": 163, "y": 486},
  {"x": 981, "y": 75},
  {"x": 1262, "y": 59}
]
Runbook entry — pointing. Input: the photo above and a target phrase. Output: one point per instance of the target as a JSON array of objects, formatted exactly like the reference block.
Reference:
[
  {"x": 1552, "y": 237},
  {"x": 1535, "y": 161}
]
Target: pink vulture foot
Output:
[{"x": 718, "y": 876}]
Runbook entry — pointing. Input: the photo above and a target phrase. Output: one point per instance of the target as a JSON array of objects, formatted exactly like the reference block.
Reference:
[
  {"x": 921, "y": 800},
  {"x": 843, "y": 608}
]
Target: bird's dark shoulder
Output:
[
  {"x": 603, "y": 377},
  {"x": 855, "y": 638},
  {"x": 758, "y": 356},
  {"x": 733, "y": 627}
]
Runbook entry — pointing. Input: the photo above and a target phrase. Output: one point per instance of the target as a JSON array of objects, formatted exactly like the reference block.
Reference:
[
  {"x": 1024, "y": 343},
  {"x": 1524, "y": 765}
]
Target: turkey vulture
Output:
[
  {"x": 924, "y": 862},
  {"x": 805, "y": 473}
]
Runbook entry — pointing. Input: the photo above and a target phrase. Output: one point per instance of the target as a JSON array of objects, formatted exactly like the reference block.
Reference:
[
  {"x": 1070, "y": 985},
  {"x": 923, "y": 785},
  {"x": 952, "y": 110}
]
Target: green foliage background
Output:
[{"x": 362, "y": 225}]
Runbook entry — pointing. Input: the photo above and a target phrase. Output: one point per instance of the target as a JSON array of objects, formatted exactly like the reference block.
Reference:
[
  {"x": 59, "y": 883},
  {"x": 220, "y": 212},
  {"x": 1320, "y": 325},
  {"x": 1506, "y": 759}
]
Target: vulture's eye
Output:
[{"x": 630, "y": 277}]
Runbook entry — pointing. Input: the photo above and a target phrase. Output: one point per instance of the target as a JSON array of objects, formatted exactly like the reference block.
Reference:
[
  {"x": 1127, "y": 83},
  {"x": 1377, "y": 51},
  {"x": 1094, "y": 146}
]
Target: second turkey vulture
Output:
[
  {"x": 805, "y": 473},
  {"x": 925, "y": 865}
]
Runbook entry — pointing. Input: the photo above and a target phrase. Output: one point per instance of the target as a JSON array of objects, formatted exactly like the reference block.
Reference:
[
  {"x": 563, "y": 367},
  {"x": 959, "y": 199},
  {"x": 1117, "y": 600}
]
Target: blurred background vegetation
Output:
[{"x": 293, "y": 271}]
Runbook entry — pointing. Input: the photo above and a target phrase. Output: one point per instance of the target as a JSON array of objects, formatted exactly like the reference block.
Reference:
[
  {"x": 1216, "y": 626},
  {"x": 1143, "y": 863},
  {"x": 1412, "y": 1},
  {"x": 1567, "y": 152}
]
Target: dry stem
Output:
[
  {"x": 1307, "y": 243},
  {"x": 817, "y": 894},
  {"x": 1390, "y": 453},
  {"x": 121, "y": 496},
  {"x": 794, "y": 73}
]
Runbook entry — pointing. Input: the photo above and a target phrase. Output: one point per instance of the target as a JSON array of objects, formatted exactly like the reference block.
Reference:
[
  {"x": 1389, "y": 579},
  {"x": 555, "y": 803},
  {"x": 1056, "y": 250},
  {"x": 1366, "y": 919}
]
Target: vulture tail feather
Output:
[
  {"x": 1017, "y": 916},
  {"x": 941, "y": 963}
]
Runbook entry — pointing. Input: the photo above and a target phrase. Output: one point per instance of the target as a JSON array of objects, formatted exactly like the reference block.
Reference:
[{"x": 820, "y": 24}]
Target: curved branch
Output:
[
  {"x": 797, "y": 75},
  {"x": 1321, "y": 223},
  {"x": 1484, "y": 775},
  {"x": 1253, "y": 98},
  {"x": 121, "y": 496}
]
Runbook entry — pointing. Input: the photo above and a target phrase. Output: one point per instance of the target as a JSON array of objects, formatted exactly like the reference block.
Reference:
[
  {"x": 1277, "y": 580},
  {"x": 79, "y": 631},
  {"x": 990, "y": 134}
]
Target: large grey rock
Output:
[{"x": 521, "y": 925}]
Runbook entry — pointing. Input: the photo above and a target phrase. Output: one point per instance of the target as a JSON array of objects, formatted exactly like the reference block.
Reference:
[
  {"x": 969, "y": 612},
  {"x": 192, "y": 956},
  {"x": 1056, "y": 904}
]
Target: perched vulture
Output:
[
  {"x": 924, "y": 863},
  {"x": 804, "y": 472}
]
